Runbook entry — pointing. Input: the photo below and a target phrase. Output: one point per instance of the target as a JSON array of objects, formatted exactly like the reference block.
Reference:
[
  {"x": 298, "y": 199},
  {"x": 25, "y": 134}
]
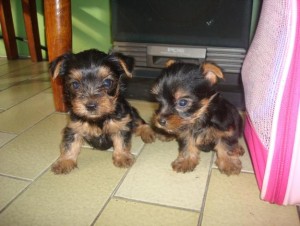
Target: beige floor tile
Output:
[
  {"x": 6, "y": 137},
  {"x": 3, "y": 60},
  {"x": 145, "y": 109},
  {"x": 235, "y": 200},
  {"x": 26, "y": 114},
  {"x": 73, "y": 199},
  {"x": 20, "y": 76},
  {"x": 152, "y": 179},
  {"x": 10, "y": 188},
  {"x": 33, "y": 151},
  {"x": 14, "y": 65},
  {"x": 127, "y": 213},
  {"x": 48, "y": 91},
  {"x": 22, "y": 91}
]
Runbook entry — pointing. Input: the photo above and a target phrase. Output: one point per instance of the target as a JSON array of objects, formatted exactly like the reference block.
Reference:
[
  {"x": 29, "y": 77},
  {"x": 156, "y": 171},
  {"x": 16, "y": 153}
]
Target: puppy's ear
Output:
[
  {"x": 57, "y": 65},
  {"x": 211, "y": 72},
  {"x": 170, "y": 62},
  {"x": 126, "y": 63},
  {"x": 155, "y": 89}
]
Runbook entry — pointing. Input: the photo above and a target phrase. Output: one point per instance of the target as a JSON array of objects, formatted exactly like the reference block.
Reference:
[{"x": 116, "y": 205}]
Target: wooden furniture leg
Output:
[
  {"x": 32, "y": 31},
  {"x": 59, "y": 40},
  {"x": 8, "y": 31}
]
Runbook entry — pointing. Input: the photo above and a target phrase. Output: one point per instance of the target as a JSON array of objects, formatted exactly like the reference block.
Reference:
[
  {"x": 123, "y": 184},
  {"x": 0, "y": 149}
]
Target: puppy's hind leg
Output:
[{"x": 228, "y": 154}]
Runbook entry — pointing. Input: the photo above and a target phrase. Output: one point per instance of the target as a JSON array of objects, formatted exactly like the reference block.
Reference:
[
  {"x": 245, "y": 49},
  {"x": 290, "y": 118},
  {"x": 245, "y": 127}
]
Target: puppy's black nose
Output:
[
  {"x": 162, "y": 121},
  {"x": 91, "y": 106}
]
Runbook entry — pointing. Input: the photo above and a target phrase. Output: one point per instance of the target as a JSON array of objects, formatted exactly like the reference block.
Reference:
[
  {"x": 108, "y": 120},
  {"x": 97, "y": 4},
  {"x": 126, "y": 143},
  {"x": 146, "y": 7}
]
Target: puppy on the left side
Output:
[{"x": 99, "y": 113}]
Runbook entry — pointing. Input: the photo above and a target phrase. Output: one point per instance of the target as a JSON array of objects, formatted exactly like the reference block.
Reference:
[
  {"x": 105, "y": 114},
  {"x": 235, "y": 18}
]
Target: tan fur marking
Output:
[
  {"x": 208, "y": 136},
  {"x": 188, "y": 158},
  {"x": 114, "y": 126},
  {"x": 227, "y": 161},
  {"x": 212, "y": 72},
  {"x": 107, "y": 107},
  {"x": 203, "y": 109},
  {"x": 170, "y": 62},
  {"x": 104, "y": 72},
  {"x": 180, "y": 93},
  {"x": 212, "y": 135},
  {"x": 121, "y": 155},
  {"x": 57, "y": 69},
  {"x": 174, "y": 122},
  {"x": 146, "y": 133},
  {"x": 68, "y": 157},
  {"x": 85, "y": 129},
  {"x": 155, "y": 89},
  {"x": 125, "y": 68},
  {"x": 75, "y": 74}
]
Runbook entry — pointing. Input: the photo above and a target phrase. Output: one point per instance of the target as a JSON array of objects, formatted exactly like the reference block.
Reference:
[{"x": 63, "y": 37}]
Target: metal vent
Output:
[
  {"x": 229, "y": 59},
  {"x": 137, "y": 50}
]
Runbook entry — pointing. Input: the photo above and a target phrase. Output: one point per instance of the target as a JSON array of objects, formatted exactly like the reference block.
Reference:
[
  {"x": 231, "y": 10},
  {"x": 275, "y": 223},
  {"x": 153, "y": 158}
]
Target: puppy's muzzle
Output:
[{"x": 91, "y": 106}]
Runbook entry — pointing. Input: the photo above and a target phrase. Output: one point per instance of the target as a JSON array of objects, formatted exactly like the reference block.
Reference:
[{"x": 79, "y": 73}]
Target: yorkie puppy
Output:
[
  {"x": 192, "y": 111},
  {"x": 99, "y": 114}
]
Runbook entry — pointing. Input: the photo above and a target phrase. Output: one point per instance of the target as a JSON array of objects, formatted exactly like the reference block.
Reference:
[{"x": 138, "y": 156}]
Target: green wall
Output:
[{"x": 90, "y": 25}]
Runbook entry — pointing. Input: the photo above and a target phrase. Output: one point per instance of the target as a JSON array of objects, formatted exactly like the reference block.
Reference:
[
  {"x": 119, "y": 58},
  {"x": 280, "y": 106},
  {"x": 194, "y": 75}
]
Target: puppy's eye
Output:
[
  {"x": 107, "y": 83},
  {"x": 75, "y": 85},
  {"x": 182, "y": 103}
]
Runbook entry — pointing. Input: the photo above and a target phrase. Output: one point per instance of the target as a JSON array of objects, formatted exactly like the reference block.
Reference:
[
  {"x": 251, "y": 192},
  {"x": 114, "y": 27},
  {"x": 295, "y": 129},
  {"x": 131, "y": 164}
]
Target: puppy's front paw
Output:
[
  {"x": 229, "y": 165},
  {"x": 146, "y": 133},
  {"x": 63, "y": 166},
  {"x": 123, "y": 159},
  {"x": 186, "y": 164}
]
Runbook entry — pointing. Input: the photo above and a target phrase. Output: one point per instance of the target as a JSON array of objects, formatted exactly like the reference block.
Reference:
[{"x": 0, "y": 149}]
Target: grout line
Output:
[
  {"x": 13, "y": 199},
  {"x": 25, "y": 189},
  {"x": 15, "y": 70},
  {"x": 157, "y": 204},
  {"x": 26, "y": 129},
  {"x": 10, "y": 141},
  {"x": 112, "y": 195},
  {"x": 30, "y": 79},
  {"x": 44, "y": 118},
  {"x": 11, "y": 133},
  {"x": 206, "y": 189},
  {"x": 15, "y": 177},
  {"x": 22, "y": 101}
]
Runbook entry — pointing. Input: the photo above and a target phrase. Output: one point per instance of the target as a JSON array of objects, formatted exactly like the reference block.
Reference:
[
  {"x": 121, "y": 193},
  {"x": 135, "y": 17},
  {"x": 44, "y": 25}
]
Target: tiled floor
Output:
[{"x": 97, "y": 193}]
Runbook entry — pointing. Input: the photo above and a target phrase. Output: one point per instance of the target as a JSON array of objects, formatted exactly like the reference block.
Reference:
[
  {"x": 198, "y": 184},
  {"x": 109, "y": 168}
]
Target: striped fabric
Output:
[{"x": 271, "y": 79}]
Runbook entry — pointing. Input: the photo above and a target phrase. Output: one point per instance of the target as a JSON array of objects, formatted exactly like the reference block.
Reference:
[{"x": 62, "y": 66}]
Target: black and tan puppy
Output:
[
  {"x": 197, "y": 116},
  {"x": 99, "y": 114}
]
